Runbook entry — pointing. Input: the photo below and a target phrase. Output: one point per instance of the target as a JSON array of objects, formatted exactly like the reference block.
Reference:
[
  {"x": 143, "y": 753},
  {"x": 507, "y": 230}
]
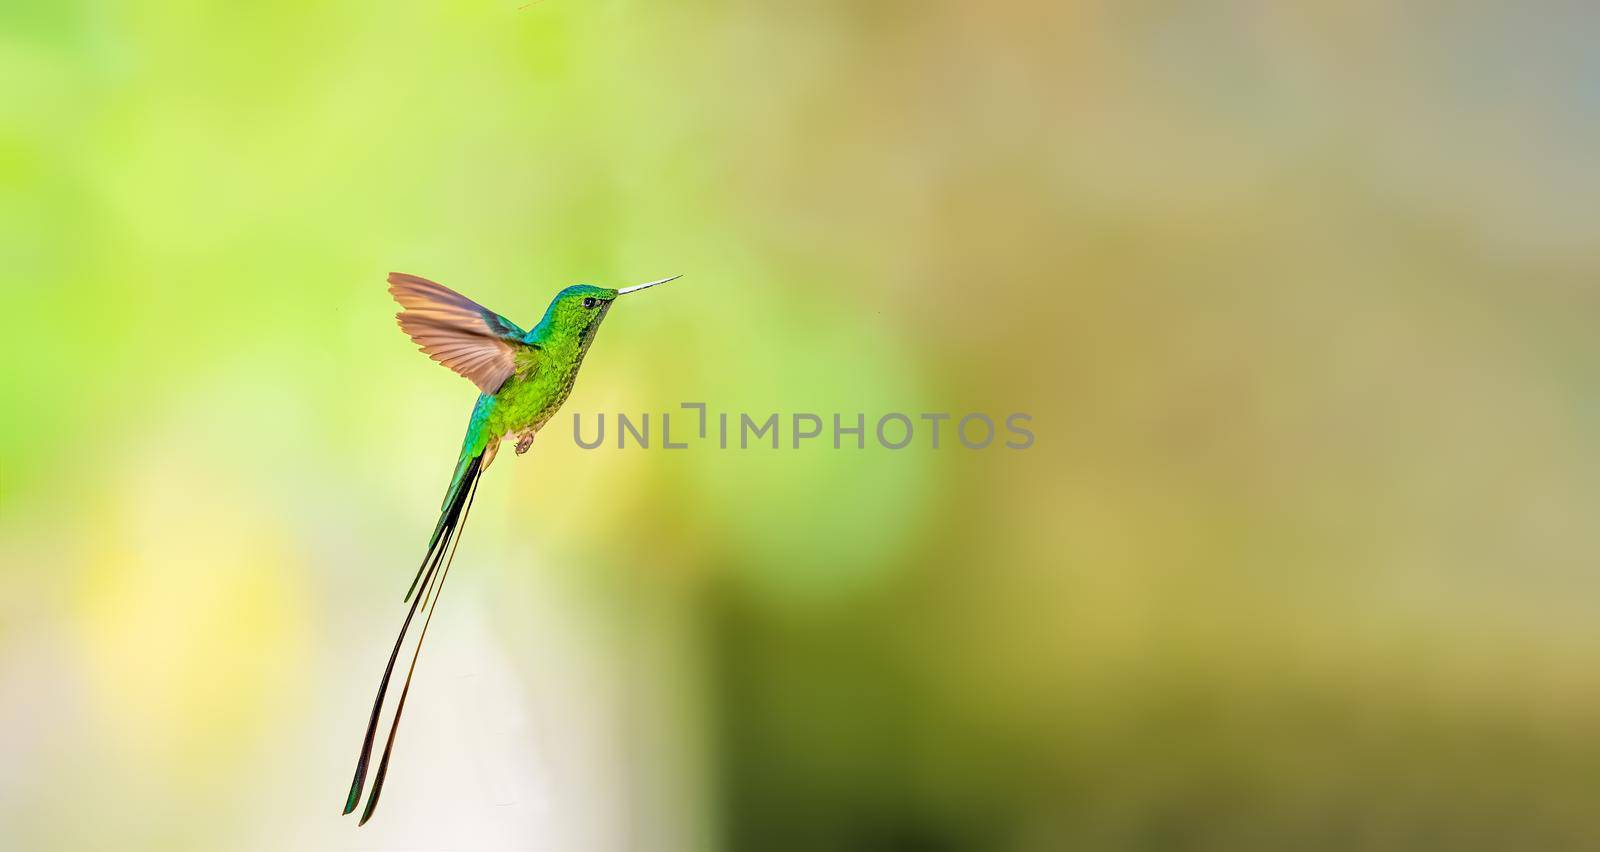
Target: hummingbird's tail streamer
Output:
[
  {"x": 468, "y": 468},
  {"x": 441, "y": 552}
]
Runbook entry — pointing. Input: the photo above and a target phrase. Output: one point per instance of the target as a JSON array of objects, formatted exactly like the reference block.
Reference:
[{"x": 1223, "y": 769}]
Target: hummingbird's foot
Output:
[{"x": 524, "y": 441}]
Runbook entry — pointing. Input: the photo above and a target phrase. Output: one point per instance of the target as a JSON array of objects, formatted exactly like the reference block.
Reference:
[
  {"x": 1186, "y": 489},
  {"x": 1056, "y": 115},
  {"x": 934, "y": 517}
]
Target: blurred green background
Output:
[{"x": 1301, "y": 298}]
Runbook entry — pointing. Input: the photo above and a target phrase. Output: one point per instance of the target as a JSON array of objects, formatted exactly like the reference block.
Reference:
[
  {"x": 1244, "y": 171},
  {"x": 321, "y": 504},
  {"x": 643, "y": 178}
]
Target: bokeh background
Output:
[{"x": 1301, "y": 298}]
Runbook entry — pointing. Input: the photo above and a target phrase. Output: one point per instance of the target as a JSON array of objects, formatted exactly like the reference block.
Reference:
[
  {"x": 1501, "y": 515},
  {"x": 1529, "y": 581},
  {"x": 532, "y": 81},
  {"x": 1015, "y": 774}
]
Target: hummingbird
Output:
[{"x": 523, "y": 377}]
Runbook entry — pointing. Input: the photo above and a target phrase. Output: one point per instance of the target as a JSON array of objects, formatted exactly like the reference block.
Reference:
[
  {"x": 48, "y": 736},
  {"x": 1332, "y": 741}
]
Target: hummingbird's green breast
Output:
[{"x": 529, "y": 403}]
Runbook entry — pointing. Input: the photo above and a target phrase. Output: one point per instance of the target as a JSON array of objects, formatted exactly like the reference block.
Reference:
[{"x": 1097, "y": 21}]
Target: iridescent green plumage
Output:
[
  {"x": 544, "y": 366},
  {"x": 524, "y": 378},
  {"x": 547, "y": 365}
]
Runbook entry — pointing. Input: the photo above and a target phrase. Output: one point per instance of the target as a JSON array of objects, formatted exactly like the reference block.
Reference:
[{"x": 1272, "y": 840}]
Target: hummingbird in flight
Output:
[{"x": 524, "y": 377}]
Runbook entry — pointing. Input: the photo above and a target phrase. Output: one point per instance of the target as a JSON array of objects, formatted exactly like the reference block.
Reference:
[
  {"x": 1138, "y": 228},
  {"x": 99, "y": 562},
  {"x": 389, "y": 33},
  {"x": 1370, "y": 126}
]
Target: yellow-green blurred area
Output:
[{"x": 1301, "y": 298}]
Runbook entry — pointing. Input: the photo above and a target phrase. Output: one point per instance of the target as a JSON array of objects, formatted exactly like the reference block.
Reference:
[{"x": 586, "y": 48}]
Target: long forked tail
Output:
[
  {"x": 441, "y": 552},
  {"x": 467, "y": 470}
]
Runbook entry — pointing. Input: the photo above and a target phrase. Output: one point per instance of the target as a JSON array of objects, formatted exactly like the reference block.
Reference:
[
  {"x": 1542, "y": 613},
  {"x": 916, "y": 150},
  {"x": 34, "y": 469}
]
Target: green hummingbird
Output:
[{"x": 524, "y": 377}]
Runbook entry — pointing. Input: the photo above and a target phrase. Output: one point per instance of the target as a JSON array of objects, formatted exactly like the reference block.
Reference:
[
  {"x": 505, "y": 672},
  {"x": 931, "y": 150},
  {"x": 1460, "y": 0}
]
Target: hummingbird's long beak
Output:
[{"x": 626, "y": 290}]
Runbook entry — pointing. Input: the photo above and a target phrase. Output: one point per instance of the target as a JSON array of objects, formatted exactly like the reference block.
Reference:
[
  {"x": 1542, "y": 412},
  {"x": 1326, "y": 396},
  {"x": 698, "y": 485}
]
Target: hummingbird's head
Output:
[{"x": 578, "y": 309}]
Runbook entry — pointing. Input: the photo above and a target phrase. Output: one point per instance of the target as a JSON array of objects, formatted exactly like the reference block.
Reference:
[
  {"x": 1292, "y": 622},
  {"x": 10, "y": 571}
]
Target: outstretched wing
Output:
[{"x": 456, "y": 331}]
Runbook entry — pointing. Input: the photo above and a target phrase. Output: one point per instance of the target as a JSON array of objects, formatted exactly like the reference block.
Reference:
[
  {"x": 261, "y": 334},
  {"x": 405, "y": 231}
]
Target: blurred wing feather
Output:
[{"x": 456, "y": 331}]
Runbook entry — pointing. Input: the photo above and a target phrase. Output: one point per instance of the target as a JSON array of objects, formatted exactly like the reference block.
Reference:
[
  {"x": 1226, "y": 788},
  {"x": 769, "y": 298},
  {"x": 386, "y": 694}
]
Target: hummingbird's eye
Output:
[{"x": 590, "y": 302}]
